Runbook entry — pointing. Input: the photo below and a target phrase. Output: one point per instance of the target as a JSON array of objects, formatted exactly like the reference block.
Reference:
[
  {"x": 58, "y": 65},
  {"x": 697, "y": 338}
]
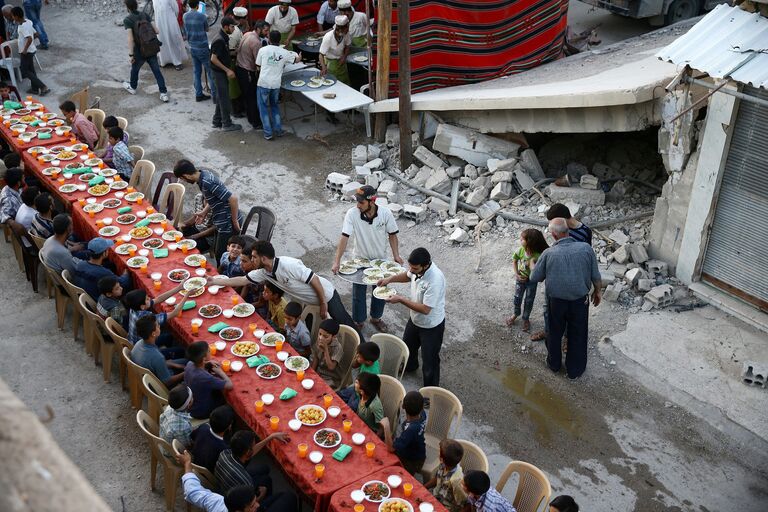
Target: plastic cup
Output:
[
  {"x": 177, "y": 237},
  {"x": 184, "y": 249},
  {"x": 212, "y": 349},
  {"x": 157, "y": 285},
  {"x": 150, "y": 210},
  {"x": 163, "y": 224},
  {"x": 235, "y": 300},
  {"x": 303, "y": 450},
  {"x": 139, "y": 200},
  {"x": 130, "y": 189},
  {"x": 117, "y": 177},
  {"x": 300, "y": 375},
  {"x": 259, "y": 406},
  {"x": 143, "y": 269},
  {"x": 131, "y": 252},
  {"x": 319, "y": 470},
  {"x": 226, "y": 364},
  {"x": 91, "y": 214},
  {"x": 359, "y": 507},
  {"x": 119, "y": 241},
  {"x": 81, "y": 201},
  {"x": 347, "y": 425},
  {"x": 99, "y": 223},
  {"x": 370, "y": 448},
  {"x": 252, "y": 327},
  {"x": 203, "y": 263},
  {"x": 327, "y": 400},
  {"x": 407, "y": 487},
  {"x": 61, "y": 180},
  {"x": 193, "y": 324},
  {"x": 274, "y": 423},
  {"x": 279, "y": 345},
  {"x": 91, "y": 154}
]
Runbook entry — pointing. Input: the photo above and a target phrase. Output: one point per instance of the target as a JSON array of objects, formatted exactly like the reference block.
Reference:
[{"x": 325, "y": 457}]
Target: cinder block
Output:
[
  {"x": 372, "y": 180},
  {"x": 396, "y": 209},
  {"x": 633, "y": 276},
  {"x": 644, "y": 285},
  {"x": 438, "y": 205},
  {"x": 428, "y": 158},
  {"x": 755, "y": 374},
  {"x": 502, "y": 191},
  {"x": 373, "y": 152},
  {"x": 414, "y": 213},
  {"x": 638, "y": 253},
  {"x": 374, "y": 164},
  {"x": 576, "y": 194},
  {"x": 612, "y": 292},
  {"x": 438, "y": 181},
  {"x": 386, "y": 187},
  {"x": 348, "y": 189},
  {"x": 459, "y": 236},
  {"x": 621, "y": 255},
  {"x": 657, "y": 267},
  {"x": 361, "y": 173},
  {"x": 335, "y": 181},
  {"x": 660, "y": 296}
]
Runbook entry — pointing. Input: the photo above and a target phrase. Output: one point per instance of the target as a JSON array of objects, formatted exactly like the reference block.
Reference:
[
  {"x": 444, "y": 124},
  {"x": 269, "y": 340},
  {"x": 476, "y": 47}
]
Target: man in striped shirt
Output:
[{"x": 221, "y": 202}]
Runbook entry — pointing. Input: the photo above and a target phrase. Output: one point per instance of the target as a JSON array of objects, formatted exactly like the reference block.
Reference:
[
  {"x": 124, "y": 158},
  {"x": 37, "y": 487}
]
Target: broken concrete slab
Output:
[
  {"x": 502, "y": 176},
  {"x": 637, "y": 253},
  {"x": 386, "y": 187},
  {"x": 459, "y": 235},
  {"x": 373, "y": 152},
  {"x": 531, "y": 165},
  {"x": 501, "y": 191},
  {"x": 428, "y": 158},
  {"x": 495, "y": 165},
  {"x": 478, "y": 196},
  {"x": 621, "y": 255},
  {"x": 454, "y": 171},
  {"x": 374, "y": 164},
  {"x": 422, "y": 176},
  {"x": 438, "y": 181},
  {"x": 471, "y": 146},
  {"x": 589, "y": 181},
  {"x": 359, "y": 155},
  {"x": 488, "y": 209},
  {"x": 471, "y": 220},
  {"x": 612, "y": 292},
  {"x": 470, "y": 171},
  {"x": 348, "y": 189},
  {"x": 618, "y": 236},
  {"x": 633, "y": 275},
  {"x": 645, "y": 285},
  {"x": 523, "y": 179},
  {"x": 577, "y": 194}
]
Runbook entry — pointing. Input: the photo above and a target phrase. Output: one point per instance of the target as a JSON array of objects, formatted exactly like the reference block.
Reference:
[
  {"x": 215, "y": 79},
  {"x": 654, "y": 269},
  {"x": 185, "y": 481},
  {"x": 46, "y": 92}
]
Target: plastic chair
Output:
[
  {"x": 161, "y": 451},
  {"x": 157, "y": 395},
  {"x": 60, "y": 293},
  {"x": 137, "y": 152},
  {"x": 165, "y": 178},
  {"x": 120, "y": 339},
  {"x": 349, "y": 340},
  {"x": 206, "y": 477},
  {"x": 391, "y": 396},
  {"x": 394, "y": 354},
  {"x": 172, "y": 202},
  {"x": 265, "y": 225},
  {"x": 28, "y": 251},
  {"x": 122, "y": 122},
  {"x": 96, "y": 116},
  {"x": 80, "y": 99},
  {"x": 533, "y": 486},
  {"x": 141, "y": 178},
  {"x": 311, "y": 317},
  {"x": 106, "y": 343},
  {"x": 444, "y": 408},
  {"x": 12, "y": 64},
  {"x": 16, "y": 245},
  {"x": 74, "y": 293},
  {"x": 474, "y": 458},
  {"x": 93, "y": 328},
  {"x": 135, "y": 374}
]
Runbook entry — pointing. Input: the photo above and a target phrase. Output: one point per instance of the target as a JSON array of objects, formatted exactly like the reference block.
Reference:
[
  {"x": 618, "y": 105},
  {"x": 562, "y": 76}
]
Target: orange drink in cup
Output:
[
  {"x": 29, "y": 98},
  {"x": 119, "y": 241},
  {"x": 60, "y": 180},
  {"x": 327, "y": 400},
  {"x": 299, "y": 375},
  {"x": 303, "y": 449},
  {"x": 157, "y": 285},
  {"x": 203, "y": 264},
  {"x": 370, "y": 448},
  {"x": 235, "y": 299},
  {"x": 143, "y": 269},
  {"x": 139, "y": 200},
  {"x": 226, "y": 364},
  {"x": 150, "y": 210},
  {"x": 177, "y": 237},
  {"x": 99, "y": 223},
  {"x": 252, "y": 327},
  {"x": 319, "y": 470},
  {"x": 194, "y": 325},
  {"x": 163, "y": 224},
  {"x": 117, "y": 177},
  {"x": 274, "y": 423},
  {"x": 279, "y": 345},
  {"x": 101, "y": 166},
  {"x": 131, "y": 250},
  {"x": 130, "y": 189},
  {"x": 91, "y": 214},
  {"x": 91, "y": 154},
  {"x": 184, "y": 249},
  {"x": 407, "y": 489},
  {"x": 347, "y": 425},
  {"x": 72, "y": 140},
  {"x": 212, "y": 349},
  {"x": 81, "y": 201},
  {"x": 259, "y": 406},
  {"x": 359, "y": 508}
]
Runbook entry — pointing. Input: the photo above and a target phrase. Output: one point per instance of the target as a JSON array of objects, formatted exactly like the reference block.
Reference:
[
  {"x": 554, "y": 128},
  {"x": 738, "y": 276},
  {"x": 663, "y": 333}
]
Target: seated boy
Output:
[
  {"x": 206, "y": 379},
  {"x": 410, "y": 446},
  {"x": 109, "y": 304},
  {"x": 446, "y": 484},
  {"x": 230, "y": 265},
  {"x": 327, "y": 353},
  {"x": 175, "y": 421},
  {"x": 370, "y": 409},
  {"x": 122, "y": 159},
  {"x": 210, "y": 439},
  {"x": 481, "y": 496},
  {"x": 199, "y": 228},
  {"x": 367, "y": 360},
  {"x": 139, "y": 304},
  {"x": 107, "y": 154},
  {"x": 8, "y": 93},
  {"x": 146, "y": 354},
  {"x": 273, "y": 295},
  {"x": 296, "y": 331}
]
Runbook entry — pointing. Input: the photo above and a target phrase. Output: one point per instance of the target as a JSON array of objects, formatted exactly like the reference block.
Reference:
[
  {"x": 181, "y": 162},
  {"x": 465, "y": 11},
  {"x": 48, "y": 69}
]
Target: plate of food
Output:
[
  {"x": 126, "y": 218},
  {"x": 78, "y": 147},
  {"x": 68, "y": 188},
  {"x": 86, "y": 176},
  {"x": 140, "y": 233},
  {"x": 109, "y": 231},
  {"x": 47, "y": 116},
  {"x": 72, "y": 166},
  {"x": 231, "y": 333},
  {"x": 360, "y": 58},
  {"x": 314, "y": 85},
  {"x": 48, "y": 171},
  {"x": 328, "y": 81},
  {"x": 245, "y": 348},
  {"x": 361, "y": 262},
  {"x": 243, "y": 310},
  {"x": 195, "y": 282},
  {"x": 125, "y": 249},
  {"x": 48, "y": 158},
  {"x": 298, "y": 83},
  {"x": 209, "y": 311},
  {"x": 178, "y": 275},
  {"x": 191, "y": 294},
  {"x": 371, "y": 280},
  {"x": 134, "y": 196},
  {"x": 58, "y": 149},
  {"x": 271, "y": 338},
  {"x": 37, "y": 149},
  {"x": 95, "y": 207},
  {"x": 93, "y": 162},
  {"x": 101, "y": 189},
  {"x": 57, "y": 123},
  {"x": 170, "y": 235},
  {"x": 66, "y": 155},
  {"x": 111, "y": 203},
  {"x": 194, "y": 260},
  {"x": 107, "y": 172},
  {"x": 155, "y": 218},
  {"x": 27, "y": 119},
  {"x": 375, "y": 491},
  {"x": 23, "y": 111},
  {"x": 152, "y": 243},
  {"x": 269, "y": 371},
  {"x": 346, "y": 269},
  {"x": 118, "y": 185},
  {"x": 296, "y": 363},
  {"x": 137, "y": 261},
  {"x": 188, "y": 243},
  {"x": 327, "y": 438},
  {"x": 310, "y": 415},
  {"x": 395, "y": 505},
  {"x": 383, "y": 292},
  {"x": 377, "y": 263},
  {"x": 373, "y": 272}
]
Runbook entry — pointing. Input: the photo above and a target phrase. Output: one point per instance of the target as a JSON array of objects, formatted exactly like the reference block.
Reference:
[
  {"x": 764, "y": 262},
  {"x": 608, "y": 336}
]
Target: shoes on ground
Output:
[
  {"x": 234, "y": 127},
  {"x": 128, "y": 88},
  {"x": 164, "y": 97},
  {"x": 204, "y": 97}
]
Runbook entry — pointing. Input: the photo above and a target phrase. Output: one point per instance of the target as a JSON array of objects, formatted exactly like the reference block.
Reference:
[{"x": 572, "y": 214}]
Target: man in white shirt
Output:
[
  {"x": 283, "y": 18},
  {"x": 334, "y": 50},
  {"x": 26, "y": 213},
  {"x": 326, "y": 16},
  {"x": 296, "y": 279},
  {"x": 270, "y": 63},
  {"x": 373, "y": 228},
  {"x": 27, "y": 49},
  {"x": 426, "y": 326},
  {"x": 359, "y": 27}
]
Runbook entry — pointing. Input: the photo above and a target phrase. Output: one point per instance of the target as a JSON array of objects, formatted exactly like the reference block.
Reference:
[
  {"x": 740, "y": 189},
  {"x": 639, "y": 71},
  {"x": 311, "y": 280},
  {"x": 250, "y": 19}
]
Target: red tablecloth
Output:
[
  {"x": 5, "y": 130},
  {"x": 341, "y": 501},
  {"x": 35, "y": 167}
]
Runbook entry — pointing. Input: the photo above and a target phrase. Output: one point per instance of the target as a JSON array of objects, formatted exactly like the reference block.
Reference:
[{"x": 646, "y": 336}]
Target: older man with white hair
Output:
[{"x": 569, "y": 269}]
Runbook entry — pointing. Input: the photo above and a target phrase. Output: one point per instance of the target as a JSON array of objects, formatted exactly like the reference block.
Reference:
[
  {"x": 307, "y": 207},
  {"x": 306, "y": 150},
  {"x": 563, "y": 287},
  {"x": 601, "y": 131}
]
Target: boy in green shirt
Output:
[
  {"x": 367, "y": 360},
  {"x": 532, "y": 244},
  {"x": 370, "y": 409}
]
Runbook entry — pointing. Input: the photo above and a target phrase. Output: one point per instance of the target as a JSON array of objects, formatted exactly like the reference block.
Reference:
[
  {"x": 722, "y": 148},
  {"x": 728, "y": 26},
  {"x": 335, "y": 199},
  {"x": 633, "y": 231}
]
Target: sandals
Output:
[
  {"x": 379, "y": 325},
  {"x": 538, "y": 336}
]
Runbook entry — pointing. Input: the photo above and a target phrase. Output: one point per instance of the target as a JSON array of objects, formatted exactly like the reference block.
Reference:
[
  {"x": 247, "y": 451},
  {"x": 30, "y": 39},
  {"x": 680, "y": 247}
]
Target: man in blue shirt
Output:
[
  {"x": 88, "y": 273},
  {"x": 196, "y": 27},
  {"x": 146, "y": 354},
  {"x": 326, "y": 15}
]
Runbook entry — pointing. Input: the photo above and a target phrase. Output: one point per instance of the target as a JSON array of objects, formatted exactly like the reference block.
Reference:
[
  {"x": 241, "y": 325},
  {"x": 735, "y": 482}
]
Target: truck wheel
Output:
[{"x": 680, "y": 10}]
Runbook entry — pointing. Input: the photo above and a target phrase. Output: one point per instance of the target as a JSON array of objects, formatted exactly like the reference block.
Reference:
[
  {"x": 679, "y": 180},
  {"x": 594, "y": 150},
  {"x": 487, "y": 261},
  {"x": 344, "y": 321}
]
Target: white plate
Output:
[
  {"x": 243, "y": 310},
  {"x": 195, "y": 282},
  {"x": 193, "y": 260},
  {"x": 134, "y": 196},
  {"x": 148, "y": 243},
  {"x": 109, "y": 231},
  {"x": 371, "y": 280},
  {"x": 347, "y": 269},
  {"x": 269, "y": 339},
  {"x": 298, "y": 83},
  {"x": 95, "y": 207},
  {"x": 389, "y": 491},
  {"x": 395, "y": 500},
  {"x": 360, "y": 58},
  {"x": 68, "y": 188},
  {"x": 186, "y": 274},
  {"x": 303, "y": 407},
  {"x": 188, "y": 243},
  {"x": 108, "y": 172},
  {"x": 338, "y": 440},
  {"x": 383, "y": 292},
  {"x": 170, "y": 236},
  {"x": 118, "y": 185},
  {"x": 232, "y": 349},
  {"x": 124, "y": 249},
  {"x": 231, "y": 328},
  {"x": 137, "y": 261},
  {"x": 127, "y": 218},
  {"x": 279, "y": 371},
  {"x": 304, "y": 366},
  {"x": 111, "y": 203},
  {"x": 157, "y": 217}
]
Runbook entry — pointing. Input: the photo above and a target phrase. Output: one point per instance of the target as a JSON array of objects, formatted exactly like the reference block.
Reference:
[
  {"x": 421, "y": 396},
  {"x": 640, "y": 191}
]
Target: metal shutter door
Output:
[{"x": 737, "y": 251}]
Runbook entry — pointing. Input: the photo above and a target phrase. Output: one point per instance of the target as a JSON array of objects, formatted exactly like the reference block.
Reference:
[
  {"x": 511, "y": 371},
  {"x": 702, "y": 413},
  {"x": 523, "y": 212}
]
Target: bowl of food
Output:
[
  {"x": 268, "y": 371},
  {"x": 236, "y": 366},
  {"x": 310, "y": 415},
  {"x": 307, "y": 384},
  {"x": 358, "y": 438},
  {"x": 395, "y": 505},
  {"x": 315, "y": 457},
  {"x": 245, "y": 348},
  {"x": 334, "y": 411},
  {"x": 327, "y": 438},
  {"x": 294, "y": 424},
  {"x": 376, "y": 491},
  {"x": 267, "y": 398},
  {"x": 394, "y": 481},
  {"x": 282, "y": 355}
]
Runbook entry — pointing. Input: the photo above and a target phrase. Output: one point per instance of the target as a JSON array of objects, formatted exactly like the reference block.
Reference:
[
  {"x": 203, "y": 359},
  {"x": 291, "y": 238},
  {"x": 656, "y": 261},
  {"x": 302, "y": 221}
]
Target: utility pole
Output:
[
  {"x": 404, "y": 73},
  {"x": 383, "y": 55}
]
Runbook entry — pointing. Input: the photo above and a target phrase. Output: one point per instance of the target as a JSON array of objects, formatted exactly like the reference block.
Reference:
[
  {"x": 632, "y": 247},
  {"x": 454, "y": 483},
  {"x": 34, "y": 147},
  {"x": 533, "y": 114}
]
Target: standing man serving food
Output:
[
  {"x": 373, "y": 227},
  {"x": 334, "y": 50},
  {"x": 426, "y": 326},
  {"x": 283, "y": 18}
]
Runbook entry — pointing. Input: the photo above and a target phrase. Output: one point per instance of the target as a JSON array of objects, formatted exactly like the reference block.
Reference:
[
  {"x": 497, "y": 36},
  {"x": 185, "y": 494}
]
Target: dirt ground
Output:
[{"x": 604, "y": 439}]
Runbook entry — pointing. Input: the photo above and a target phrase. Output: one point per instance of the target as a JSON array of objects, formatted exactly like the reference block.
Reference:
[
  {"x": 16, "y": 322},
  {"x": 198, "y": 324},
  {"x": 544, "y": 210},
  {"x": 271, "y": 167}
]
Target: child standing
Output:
[
  {"x": 296, "y": 331},
  {"x": 532, "y": 244},
  {"x": 273, "y": 295},
  {"x": 230, "y": 264},
  {"x": 327, "y": 353},
  {"x": 446, "y": 485},
  {"x": 367, "y": 360},
  {"x": 109, "y": 304},
  {"x": 370, "y": 409},
  {"x": 410, "y": 446}
]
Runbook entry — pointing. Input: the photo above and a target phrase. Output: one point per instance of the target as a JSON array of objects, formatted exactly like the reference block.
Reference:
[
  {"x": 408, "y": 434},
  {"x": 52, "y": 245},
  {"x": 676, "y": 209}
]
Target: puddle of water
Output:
[{"x": 545, "y": 408}]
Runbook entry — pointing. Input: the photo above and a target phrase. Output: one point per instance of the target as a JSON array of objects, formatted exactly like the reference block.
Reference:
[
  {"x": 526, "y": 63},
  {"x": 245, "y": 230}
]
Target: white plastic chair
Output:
[
  {"x": 394, "y": 354},
  {"x": 11, "y": 64},
  {"x": 443, "y": 418}
]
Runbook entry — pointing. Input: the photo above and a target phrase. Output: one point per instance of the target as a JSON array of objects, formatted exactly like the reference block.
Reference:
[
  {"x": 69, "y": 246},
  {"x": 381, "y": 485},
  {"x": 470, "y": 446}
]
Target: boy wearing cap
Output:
[
  {"x": 334, "y": 50},
  {"x": 176, "y": 422},
  {"x": 88, "y": 273},
  {"x": 270, "y": 63},
  {"x": 296, "y": 331},
  {"x": 373, "y": 228},
  {"x": 283, "y": 18},
  {"x": 327, "y": 353},
  {"x": 359, "y": 27}
]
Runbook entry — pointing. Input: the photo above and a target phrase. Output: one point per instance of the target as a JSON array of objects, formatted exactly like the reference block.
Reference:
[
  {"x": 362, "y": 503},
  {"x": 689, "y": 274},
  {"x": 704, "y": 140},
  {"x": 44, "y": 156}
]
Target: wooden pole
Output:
[
  {"x": 383, "y": 52},
  {"x": 404, "y": 74}
]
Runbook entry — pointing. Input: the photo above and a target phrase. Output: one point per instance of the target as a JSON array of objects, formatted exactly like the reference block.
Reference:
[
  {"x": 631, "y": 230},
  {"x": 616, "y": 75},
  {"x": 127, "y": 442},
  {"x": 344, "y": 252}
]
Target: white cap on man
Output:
[
  {"x": 344, "y": 4},
  {"x": 240, "y": 12},
  {"x": 341, "y": 20}
]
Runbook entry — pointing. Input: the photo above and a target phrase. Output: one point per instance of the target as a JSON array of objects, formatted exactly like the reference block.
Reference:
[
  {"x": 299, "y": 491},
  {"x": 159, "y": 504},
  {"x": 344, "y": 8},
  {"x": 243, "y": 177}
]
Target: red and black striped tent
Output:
[{"x": 458, "y": 42}]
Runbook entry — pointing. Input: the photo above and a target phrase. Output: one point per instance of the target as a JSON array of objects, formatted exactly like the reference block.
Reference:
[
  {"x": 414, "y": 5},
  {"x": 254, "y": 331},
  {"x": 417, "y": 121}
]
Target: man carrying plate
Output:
[{"x": 373, "y": 227}]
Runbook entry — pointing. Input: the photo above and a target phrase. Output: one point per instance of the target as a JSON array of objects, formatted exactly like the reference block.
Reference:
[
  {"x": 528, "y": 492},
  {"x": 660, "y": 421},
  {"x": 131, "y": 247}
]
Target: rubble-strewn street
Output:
[{"x": 626, "y": 436}]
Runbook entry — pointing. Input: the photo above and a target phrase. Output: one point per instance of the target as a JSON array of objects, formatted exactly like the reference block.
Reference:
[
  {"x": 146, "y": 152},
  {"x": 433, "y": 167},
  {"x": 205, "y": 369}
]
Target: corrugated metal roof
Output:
[{"x": 726, "y": 43}]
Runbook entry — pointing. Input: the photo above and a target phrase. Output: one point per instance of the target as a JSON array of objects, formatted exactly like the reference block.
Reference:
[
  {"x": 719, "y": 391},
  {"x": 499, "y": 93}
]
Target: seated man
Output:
[
  {"x": 55, "y": 252},
  {"x": 236, "y": 466},
  {"x": 42, "y": 224},
  {"x": 87, "y": 273},
  {"x": 146, "y": 354},
  {"x": 10, "y": 196},
  {"x": 26, "y": 213},
  {"x": 210, "y": 438},
  {"x": 205, "y": 378},
  {"x": 82, "y": 128},
  {"x": 175, "y": 421}
]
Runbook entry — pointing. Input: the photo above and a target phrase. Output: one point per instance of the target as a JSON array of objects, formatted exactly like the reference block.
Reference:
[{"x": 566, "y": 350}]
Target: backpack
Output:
[{"x": 146, "y": 38}]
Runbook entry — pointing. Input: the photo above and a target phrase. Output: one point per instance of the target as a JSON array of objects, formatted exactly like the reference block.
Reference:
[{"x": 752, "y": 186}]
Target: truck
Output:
[{"x": 657, "y": 12}]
